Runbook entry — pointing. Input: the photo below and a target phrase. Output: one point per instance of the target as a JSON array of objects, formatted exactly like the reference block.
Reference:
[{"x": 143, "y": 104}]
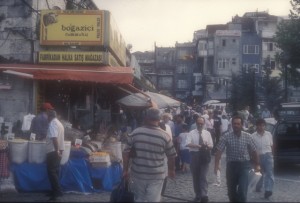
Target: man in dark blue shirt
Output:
[{"x": 40, "y": 123}]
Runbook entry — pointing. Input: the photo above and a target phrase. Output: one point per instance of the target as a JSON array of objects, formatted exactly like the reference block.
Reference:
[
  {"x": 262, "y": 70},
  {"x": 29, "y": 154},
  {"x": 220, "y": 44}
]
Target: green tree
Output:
[
  {"x": 287, "y": 38},
  {"x": 272, "y": 90},
  {"x": 243, "y": 91}
]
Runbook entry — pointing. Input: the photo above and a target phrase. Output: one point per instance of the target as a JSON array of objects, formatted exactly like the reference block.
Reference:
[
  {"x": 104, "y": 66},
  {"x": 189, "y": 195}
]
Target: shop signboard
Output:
[
  {"x": 82, "y": 28},
  {"x": 71, "y": 27},
  {"x": 60, "y": 57}
]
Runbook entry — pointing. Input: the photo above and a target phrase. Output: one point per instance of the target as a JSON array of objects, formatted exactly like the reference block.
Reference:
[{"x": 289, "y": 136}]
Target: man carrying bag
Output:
[{"x": 200, "y": 143}]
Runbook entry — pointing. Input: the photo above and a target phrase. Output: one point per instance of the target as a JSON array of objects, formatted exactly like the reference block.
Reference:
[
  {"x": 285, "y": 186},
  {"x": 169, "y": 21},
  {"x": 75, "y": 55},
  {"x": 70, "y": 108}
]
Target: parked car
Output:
[{"x": 286, "y": 135}]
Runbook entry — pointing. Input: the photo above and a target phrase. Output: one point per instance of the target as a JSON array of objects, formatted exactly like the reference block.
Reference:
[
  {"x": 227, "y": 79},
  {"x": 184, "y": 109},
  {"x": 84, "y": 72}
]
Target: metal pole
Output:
[
  {"x": 286, "y": 83},
  {"x": 226, "y": 83}
]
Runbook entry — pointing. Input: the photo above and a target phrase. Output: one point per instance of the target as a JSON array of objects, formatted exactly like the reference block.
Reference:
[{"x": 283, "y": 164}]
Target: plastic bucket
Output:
[
  {"x": 66, "y": 153},
  {"x": 18, "y": 150},
  {"x": 37, "y": 152}
]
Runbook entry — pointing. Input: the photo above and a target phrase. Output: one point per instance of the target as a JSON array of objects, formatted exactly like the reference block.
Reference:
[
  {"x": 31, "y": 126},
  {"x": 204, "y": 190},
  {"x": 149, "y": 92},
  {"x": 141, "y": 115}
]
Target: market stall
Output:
[
  {"x": 77, "y": 175},
  {"x": 81, "y": 170}
]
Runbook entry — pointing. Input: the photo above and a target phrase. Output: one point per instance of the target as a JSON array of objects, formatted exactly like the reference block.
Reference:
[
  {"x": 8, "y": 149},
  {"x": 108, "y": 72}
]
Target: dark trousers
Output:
[
  {"x": 177, "y": 158},
  {"x": 53, "y": 165},
  {"x": 199, "y": 172},
  {"x": 237, "y": 180}
]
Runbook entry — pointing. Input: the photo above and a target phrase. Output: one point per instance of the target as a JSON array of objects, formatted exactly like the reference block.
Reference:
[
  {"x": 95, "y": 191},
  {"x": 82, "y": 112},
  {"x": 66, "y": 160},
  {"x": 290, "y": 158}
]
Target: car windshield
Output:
[{"x": 291, "y": 128}]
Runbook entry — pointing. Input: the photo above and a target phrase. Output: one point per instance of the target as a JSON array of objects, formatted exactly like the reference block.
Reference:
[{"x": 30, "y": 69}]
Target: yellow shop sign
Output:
[
  {"x": 76, "y": 27},
  {"x": 72, "y": 57}
]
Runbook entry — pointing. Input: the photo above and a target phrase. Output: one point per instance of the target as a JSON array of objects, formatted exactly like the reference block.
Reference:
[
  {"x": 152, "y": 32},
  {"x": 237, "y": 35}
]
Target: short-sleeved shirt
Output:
[
  {"x": 56, "y": 129},
  {"x": 263, "y": 142},
  {"x": 151, "y": 146},
  {"x": 237, "y": 147},
  {"x": 39, "y": 125},
  {"x": 209, "y": 123},
  {"x": 194, "y": 138},
  {"x": 182, "y": 140}
]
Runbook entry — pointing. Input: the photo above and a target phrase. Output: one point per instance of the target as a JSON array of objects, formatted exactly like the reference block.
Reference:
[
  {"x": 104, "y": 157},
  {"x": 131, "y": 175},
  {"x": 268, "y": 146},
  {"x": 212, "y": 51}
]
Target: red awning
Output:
[{"x": 98, "y": 74}]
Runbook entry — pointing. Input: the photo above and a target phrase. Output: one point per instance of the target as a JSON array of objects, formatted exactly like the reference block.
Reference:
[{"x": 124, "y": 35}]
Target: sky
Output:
[{"x": 143, "y": 23}]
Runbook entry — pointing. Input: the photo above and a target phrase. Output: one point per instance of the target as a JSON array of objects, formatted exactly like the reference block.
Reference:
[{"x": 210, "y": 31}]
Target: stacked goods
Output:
[
  {"x": 115, "y": 151},
  {"x": 18, "y": 150},
  {"x": 100, "y": 159},
  {"x": 37, "y": 152},
  {"x": 66, "y": 153}
]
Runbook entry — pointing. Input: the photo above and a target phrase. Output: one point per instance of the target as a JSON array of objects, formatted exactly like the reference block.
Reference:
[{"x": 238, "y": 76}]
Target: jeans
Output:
[
  {"x": 267, "y": 167},
  {"x": 237, "y": 180},
  {"x": 53, "y": 165},
  {"x": 146, "y": 190}
]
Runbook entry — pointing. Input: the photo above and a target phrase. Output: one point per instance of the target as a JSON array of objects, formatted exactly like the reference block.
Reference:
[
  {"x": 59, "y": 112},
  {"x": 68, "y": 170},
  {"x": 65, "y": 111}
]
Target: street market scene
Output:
[{"x": 86, "y": 115}]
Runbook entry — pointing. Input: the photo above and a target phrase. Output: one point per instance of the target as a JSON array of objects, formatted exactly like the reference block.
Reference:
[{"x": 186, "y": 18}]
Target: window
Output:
[
  {"x": 182, "y": 84},
  {"x": 223, "y": 63},
  {"x": 251, "y": 49},
  {"x": 202, "y": 46},
  {"x": 182, "y": 69},
  {"x": 233, "y": 61},
  {"x": 270, "y": 47},
  {"x": 198, "y": 79},
  {"x": 248, "y": 67},
  {"x": 272, "y": 64},
  {"x": 256, "y": 68},
  {"x": 223, "y": 42},
  {"x": 182, "y": 53}
]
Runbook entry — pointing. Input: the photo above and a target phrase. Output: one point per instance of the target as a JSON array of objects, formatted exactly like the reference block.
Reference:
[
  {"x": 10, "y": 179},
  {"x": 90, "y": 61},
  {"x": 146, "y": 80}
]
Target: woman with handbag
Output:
[{"x": 200, "y": 143}]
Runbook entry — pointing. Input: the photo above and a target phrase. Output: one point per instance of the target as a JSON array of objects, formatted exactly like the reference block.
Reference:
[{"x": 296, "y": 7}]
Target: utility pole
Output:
[
  {"x": 286, "y": 58},
  {"x": 285, "y": 82}
]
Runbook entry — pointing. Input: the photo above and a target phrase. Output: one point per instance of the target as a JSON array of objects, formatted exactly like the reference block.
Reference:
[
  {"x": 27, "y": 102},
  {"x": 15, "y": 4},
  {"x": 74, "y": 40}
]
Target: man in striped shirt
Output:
[{"x": 147, "y": 146}]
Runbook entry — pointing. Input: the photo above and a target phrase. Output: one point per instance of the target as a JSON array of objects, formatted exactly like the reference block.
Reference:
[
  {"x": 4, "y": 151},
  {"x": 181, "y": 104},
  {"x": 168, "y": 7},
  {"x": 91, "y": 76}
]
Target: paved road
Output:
[{"x": 286, "y": 189}]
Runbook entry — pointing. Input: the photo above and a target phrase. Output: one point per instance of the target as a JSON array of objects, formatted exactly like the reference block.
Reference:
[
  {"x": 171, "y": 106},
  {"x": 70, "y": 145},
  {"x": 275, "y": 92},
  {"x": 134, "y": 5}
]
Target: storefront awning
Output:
[{"x": 98, "y": 74}]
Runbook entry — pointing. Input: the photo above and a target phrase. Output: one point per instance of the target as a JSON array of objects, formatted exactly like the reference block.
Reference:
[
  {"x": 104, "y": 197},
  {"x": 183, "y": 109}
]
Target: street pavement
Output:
[{"x": 285, "y": 190}]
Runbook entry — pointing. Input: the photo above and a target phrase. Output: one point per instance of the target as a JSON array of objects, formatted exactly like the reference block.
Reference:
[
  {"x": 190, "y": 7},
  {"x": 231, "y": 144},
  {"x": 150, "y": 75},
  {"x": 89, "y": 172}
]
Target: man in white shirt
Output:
[
  {"x": 264, "y": 143},
  {"x": 225, "y": 124},
  {"x": 54, "y": 148},
  {"x": 265, "y": 113},
  {"x": 166, "y": 119},
  {"x": 198, "y": 140}
]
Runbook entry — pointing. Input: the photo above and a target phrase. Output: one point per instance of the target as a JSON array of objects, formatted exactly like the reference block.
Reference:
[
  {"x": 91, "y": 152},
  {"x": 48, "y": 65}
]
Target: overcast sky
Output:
[{"x": 144, "y": 22}]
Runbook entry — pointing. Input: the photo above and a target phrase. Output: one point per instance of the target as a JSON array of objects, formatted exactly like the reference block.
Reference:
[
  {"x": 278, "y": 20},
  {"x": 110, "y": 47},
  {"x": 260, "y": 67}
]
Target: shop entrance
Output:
[{"x": 86, "y": 105}]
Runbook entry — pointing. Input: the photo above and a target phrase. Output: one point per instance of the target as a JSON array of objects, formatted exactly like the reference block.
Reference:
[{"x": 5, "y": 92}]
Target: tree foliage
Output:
[
  {"x": 247, "y": 90},
  {"x": 272, "y": 90},
  {"x": 288, "y": 40},
  {"x": 243, "y": 92}
]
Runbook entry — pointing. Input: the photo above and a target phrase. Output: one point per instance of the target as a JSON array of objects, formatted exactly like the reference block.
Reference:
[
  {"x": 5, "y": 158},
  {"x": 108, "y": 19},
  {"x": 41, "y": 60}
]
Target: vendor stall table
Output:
[{"x": 76, "y": 175}]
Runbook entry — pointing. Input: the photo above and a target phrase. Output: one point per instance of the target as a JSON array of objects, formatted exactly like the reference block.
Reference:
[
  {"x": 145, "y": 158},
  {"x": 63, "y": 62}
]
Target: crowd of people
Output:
[{"x": 189, "y": 140}]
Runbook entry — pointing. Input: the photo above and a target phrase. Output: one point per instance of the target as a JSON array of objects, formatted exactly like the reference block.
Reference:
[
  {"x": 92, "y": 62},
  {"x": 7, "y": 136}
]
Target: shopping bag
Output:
[
  {"x": 253, "y": 180},
  {"x": 122, "y": 193},
  {"x": 205, "y": 155}
]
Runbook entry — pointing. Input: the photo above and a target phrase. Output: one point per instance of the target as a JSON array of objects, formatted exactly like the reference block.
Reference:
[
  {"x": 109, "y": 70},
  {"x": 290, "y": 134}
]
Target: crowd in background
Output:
[{"x": 193, "y": 132}]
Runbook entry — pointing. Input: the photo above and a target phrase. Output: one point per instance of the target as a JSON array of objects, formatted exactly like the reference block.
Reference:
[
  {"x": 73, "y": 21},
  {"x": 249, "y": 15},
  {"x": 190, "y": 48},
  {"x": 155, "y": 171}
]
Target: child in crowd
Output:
[{"x": 184, "y": 151}]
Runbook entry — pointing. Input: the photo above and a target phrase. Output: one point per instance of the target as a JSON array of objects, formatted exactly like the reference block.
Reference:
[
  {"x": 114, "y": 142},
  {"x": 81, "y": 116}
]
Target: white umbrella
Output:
[
  {"x": 139, "y": 100},
  {"x": 211, "y": 102}
]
